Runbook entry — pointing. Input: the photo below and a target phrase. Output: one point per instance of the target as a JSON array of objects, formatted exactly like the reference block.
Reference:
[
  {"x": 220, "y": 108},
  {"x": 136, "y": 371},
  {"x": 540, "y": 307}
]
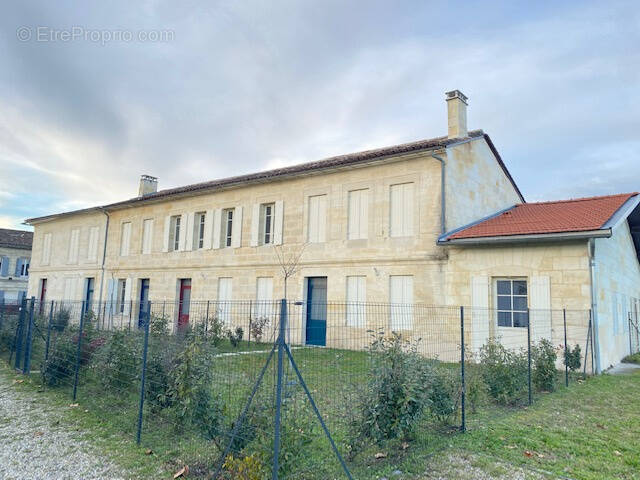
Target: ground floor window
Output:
[{"x": 512, "y": 302}]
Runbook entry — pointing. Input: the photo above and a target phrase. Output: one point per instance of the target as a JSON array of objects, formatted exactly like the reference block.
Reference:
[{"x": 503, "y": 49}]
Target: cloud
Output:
[{"x": 244, "y": 86}]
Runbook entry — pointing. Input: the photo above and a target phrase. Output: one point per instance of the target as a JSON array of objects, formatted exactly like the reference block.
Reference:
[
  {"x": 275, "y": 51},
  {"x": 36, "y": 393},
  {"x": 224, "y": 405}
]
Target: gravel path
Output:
[{"x": 34, "y": 444}]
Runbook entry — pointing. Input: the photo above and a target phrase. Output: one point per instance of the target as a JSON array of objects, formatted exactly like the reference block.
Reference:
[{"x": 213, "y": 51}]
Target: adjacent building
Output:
[
  {"x": 433, "y": 222},
  {"x": 15, "y": 257}
]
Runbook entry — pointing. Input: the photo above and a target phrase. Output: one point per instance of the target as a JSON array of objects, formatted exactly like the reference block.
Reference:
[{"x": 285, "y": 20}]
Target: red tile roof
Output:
[{"x": 578, "y": 215}]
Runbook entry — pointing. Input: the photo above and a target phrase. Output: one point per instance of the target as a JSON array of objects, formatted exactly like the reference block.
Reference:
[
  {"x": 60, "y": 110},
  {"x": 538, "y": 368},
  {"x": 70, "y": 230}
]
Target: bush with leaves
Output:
[
  {"x": 59, "y": 367},
  {"x": 504, "y": 372},
  {"x": 247, "y": 467},
  {"x": 60, "y": 319},
  {"x": 476, "y": 390},
  {"x": 257, "y": 327},
  {"x": 544, "y": 372},
  {"x": 190, "y": 393},
  {"x": 235, "y": 336},
  {"x": 118, "y": 360},
  {"x": 573, "y": 358},
  {"x": 394, "y": 400},
  {"x": 444, "y": 394}
]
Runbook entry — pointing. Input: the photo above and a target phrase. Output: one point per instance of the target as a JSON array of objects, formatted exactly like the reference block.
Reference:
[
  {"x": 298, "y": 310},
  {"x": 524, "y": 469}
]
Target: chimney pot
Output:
[
  {"x": 148, "y": 185},
  {"x": 456, "y": 114}
]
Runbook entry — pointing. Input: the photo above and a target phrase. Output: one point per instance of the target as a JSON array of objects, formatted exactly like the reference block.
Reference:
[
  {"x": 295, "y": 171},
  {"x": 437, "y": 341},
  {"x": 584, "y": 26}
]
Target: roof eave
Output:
[{"x": 528, "y": 238}]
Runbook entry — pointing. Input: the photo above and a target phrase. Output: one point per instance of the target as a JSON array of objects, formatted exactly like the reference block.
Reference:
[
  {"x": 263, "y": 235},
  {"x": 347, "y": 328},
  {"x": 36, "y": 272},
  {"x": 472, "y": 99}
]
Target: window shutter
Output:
[
  {"x": 401, "y": 299},
  {"x": 184, "y": 228},
  {"x": 540, "y": 305},
  {"x": 1, "y": 297},
  {"x": 217, "y": 227},
  {"x": 255, "y": 225},
  {"x": 127, "y": 297},
  {"x": 4, "y": 268},
  {"x": 19, "y": 262},
  {"x": 188, "y": 243},
  {"x": 236, "y": 228},
  {"x": 208, "y": 229},
  {"x": 46, "y": 249},
  {"x": 356, "y": 295},
  {"x": 395, "y": 213},
  {"x": 167, "y": 229},
  {"x": 407, "y": 209},
  {"x": 278, "y": 222},
  {"x": 480, "y": 328}
]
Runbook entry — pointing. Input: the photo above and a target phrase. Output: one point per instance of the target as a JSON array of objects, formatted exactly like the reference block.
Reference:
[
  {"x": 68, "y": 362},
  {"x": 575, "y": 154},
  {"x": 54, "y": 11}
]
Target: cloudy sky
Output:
[{"x": 93, "y": 94}]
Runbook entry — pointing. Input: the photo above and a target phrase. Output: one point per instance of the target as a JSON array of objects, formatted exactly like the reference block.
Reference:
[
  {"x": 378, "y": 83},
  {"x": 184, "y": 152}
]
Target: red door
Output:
[{"x": 185, "y": 300}]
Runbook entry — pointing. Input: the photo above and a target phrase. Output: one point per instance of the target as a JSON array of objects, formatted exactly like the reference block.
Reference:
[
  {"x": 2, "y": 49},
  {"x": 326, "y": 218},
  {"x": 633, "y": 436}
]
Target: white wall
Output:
[{"x": 617, "y": 282}]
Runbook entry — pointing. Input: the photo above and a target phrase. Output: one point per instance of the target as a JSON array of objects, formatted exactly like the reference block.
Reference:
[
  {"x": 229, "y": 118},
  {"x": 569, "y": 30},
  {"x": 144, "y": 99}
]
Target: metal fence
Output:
[{"x": 293, "y": 389}]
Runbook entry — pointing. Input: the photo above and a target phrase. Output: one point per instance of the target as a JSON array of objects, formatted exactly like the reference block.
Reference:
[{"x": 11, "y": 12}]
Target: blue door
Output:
[
  {"x": 316, "y": 331},
  {"x": 143, "y": 311}
]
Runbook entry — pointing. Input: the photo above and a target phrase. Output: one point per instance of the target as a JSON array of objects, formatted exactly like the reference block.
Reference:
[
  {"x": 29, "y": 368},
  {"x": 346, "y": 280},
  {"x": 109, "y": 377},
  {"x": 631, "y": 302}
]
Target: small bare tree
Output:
[{"x": 289, "y": 261}]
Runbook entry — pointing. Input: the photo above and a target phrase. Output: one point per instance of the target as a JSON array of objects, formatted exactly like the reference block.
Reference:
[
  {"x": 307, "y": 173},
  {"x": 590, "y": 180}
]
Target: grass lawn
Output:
[{"x": 589, "y": 431}]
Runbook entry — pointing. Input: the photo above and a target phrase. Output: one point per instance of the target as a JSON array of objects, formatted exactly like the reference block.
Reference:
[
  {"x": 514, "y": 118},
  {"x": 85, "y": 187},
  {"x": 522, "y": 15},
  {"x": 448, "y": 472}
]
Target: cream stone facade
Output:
[{"x": 407, "y": 197}]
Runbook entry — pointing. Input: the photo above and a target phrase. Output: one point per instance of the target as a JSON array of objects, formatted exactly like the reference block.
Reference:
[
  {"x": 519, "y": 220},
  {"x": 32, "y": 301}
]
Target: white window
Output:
[
  {"x": 264, "y": 297},
  {"x": 147, "y": 235},
  {"x": 121, "y": 299},
  {"x": 267, "y": 220},
  {"x": 92, "y": 251},
  {"x": 125, "y": 239},
  {"x": 358, "y": 222},
  {"x": 227, "y": 227},
  {"x": 199, "y": 220},
  {"x": 46, "y": 249},
  {"x": 317, "y": 218},
  {"x": 74, "y": 243},
  {"x": 356, "y": 298},
  {"x": 174, "y": 233},
  {"x": 511, "y": 302},
  {"x": 225, "y": 295},
  {"x": 401, "y": 299},
  {"x": 401, "y": 210}
]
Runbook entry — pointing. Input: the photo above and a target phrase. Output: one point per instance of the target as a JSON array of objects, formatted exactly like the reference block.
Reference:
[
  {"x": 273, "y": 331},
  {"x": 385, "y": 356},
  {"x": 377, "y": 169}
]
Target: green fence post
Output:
[
  {"x": 145, "y": 350},
  {"x": 463, "y": 426},
  {"x": 566, "y": 352},
  {"x": 46, "y": 348},
  {"x": 276, "y": 444},
  {"x": 20, "y": 333},
  {"x": 78, "y": 355},
  {"x": 26, "y": 365}
]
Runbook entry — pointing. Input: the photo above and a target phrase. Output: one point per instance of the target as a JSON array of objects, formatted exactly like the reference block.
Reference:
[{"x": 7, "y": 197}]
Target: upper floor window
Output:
[
  {"x": 22, "y": 267},
  {"x": 147, "y": 235},
  {"x": 358, "y": 221},
  {"x": 74, "y": 243},
  {"x": 198, "y": 230},
  {"x": 125, "y": 239},
  {"x": 46, "y": 249},
  {"x": 227, "y": 227},
  {"x": 92, "y": 252},
  {"x": 511, "y": 302},
  {"x": 174, "y": 233},
  {"x": 317, "y": 218},
  {"x": 401, "y": 210},
  {"x": 267, "y": 217}
]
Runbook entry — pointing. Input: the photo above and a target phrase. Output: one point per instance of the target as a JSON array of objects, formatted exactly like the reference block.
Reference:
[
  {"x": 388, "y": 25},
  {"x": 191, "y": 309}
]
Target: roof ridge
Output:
[{"x": 581, "y": 199}]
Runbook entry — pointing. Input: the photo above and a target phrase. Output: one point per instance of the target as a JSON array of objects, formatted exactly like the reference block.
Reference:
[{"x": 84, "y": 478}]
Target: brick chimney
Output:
[
  {"x": 148, "y": 185},
  {"x": 456, "y": 114}
]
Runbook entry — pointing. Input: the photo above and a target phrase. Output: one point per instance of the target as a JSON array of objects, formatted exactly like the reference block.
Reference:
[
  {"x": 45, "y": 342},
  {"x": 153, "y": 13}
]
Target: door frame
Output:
[
  {"x": 306, "y": 308},
  {"x": 144, "y": 286},
  {"x": 181, "y": 288}
]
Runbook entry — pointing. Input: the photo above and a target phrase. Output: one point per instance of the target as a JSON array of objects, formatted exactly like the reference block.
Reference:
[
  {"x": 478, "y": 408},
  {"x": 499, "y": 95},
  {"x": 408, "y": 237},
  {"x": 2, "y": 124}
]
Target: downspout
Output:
[
  {"x": 594, "y": 304},
  {"x": 443, "y": 197},
  {"x": 104, "y": 252}
]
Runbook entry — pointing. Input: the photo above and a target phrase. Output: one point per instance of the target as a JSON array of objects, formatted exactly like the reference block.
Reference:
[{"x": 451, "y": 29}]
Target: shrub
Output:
[
  {"x": 60, "y": 365},
  {"x": 444, "y": 394},
  {"x": 573, "y": 358},
  {"x": 245, "y": 468},
  {"x": 235, "y": 336},
  {"x": 543, "y": 359},
  {"x": 474, "y": 384},
  {"x": 394, "y": 400},
  {"x": 60, "y": 320},
  {"x": 635, "y": 358},
  {"x": 118, "y": 361},
  {"x": 190, "y": 390},
  {"x": 158, "y": 325},
  {"x": 257, "y": 327},
  {"x": 504, "y": 372}
]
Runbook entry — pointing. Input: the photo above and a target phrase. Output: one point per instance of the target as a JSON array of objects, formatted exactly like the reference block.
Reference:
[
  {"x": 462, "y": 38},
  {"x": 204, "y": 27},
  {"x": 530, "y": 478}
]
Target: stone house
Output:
[
  {"x": 15, "y": 256},
  {"x": 432, "y": 222}
]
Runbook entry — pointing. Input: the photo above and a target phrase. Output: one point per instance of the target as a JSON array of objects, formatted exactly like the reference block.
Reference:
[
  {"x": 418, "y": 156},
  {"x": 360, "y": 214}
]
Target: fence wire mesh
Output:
[{"x": 206, "y": 384}]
